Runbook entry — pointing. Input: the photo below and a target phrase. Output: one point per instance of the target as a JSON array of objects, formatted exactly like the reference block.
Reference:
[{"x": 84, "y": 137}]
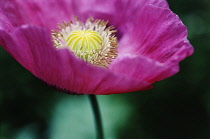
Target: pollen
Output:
[{"x": 92, "y": 41}]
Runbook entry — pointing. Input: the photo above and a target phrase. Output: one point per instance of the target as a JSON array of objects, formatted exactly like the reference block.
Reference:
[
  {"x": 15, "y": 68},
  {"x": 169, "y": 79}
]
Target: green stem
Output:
[{"x": 98, "y": 122}]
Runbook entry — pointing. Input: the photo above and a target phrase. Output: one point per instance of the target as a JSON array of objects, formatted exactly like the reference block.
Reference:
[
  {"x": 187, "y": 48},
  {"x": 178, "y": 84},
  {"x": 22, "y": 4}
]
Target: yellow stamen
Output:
[{"x": 91, "y": 41}]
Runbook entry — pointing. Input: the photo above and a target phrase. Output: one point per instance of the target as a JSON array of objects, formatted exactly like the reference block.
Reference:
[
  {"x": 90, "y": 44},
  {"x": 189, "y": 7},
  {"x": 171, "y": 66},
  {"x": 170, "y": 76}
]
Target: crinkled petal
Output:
[
  {"x": 39, "y": 12},
  {"x": 5, "y": 23},
  {"x": 13, "y": 12},
  {"x": 117, "y": 8},
  {"x": 158, "y": 34},
  {"x": 49, "y": 13},
  {"x": 31, "y": 46},
  {"x": 142, "y": 68},
  {"x": 119, "y": 13}
]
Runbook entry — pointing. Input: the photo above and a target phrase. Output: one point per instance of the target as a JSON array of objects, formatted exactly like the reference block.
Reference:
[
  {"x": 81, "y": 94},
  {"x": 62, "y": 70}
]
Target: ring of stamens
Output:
[{"x": 91, "y": 41}]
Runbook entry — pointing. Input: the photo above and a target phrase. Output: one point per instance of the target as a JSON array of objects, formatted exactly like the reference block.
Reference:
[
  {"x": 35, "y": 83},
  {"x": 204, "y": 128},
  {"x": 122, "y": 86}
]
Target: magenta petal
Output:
[
  {"x": 160, "y": 35},
  {"x": 120, "y": 13},
  {"x": 49, "y": 13},
  {"x": 12, "y": 11},
  {"x": 142, "y": 68},
  {"x": 117, "y": 8},
  {"x": 31, "y": 46},
  {"x": 39, "y": 12},
  {"x": 5, "y": 23}
]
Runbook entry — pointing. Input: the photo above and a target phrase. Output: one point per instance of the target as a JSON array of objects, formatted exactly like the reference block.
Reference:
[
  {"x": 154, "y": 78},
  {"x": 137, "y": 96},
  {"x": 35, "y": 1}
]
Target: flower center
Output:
[
  {"x": 84, "y": 40},
  {"x": 91, "y": 41}
]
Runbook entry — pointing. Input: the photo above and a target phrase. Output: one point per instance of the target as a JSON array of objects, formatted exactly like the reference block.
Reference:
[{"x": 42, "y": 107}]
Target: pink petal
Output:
[
  {"x": 31, "y": 47},
  {"x": 119, "y": 13},
  {"x": 158, "y": 34},
  {"x": 142, "y": 68},
  {"x": 39, "y": 12},
  {"x": 49, "y": 13},
  {"x": 13, "y": 12},
  {"x": 5, "y": 23}
]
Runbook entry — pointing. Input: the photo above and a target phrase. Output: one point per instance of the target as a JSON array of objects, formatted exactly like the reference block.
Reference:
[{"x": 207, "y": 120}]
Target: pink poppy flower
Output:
[{"x": 152, "y": 40}]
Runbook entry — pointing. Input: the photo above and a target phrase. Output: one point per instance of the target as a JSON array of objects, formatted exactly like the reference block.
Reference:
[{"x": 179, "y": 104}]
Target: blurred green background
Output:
[{"x": 177, "y": 108}]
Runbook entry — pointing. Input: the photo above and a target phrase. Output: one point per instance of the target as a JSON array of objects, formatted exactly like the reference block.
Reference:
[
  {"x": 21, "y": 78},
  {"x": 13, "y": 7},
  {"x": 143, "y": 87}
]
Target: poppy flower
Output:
[{"x": 99, "y": 47}]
